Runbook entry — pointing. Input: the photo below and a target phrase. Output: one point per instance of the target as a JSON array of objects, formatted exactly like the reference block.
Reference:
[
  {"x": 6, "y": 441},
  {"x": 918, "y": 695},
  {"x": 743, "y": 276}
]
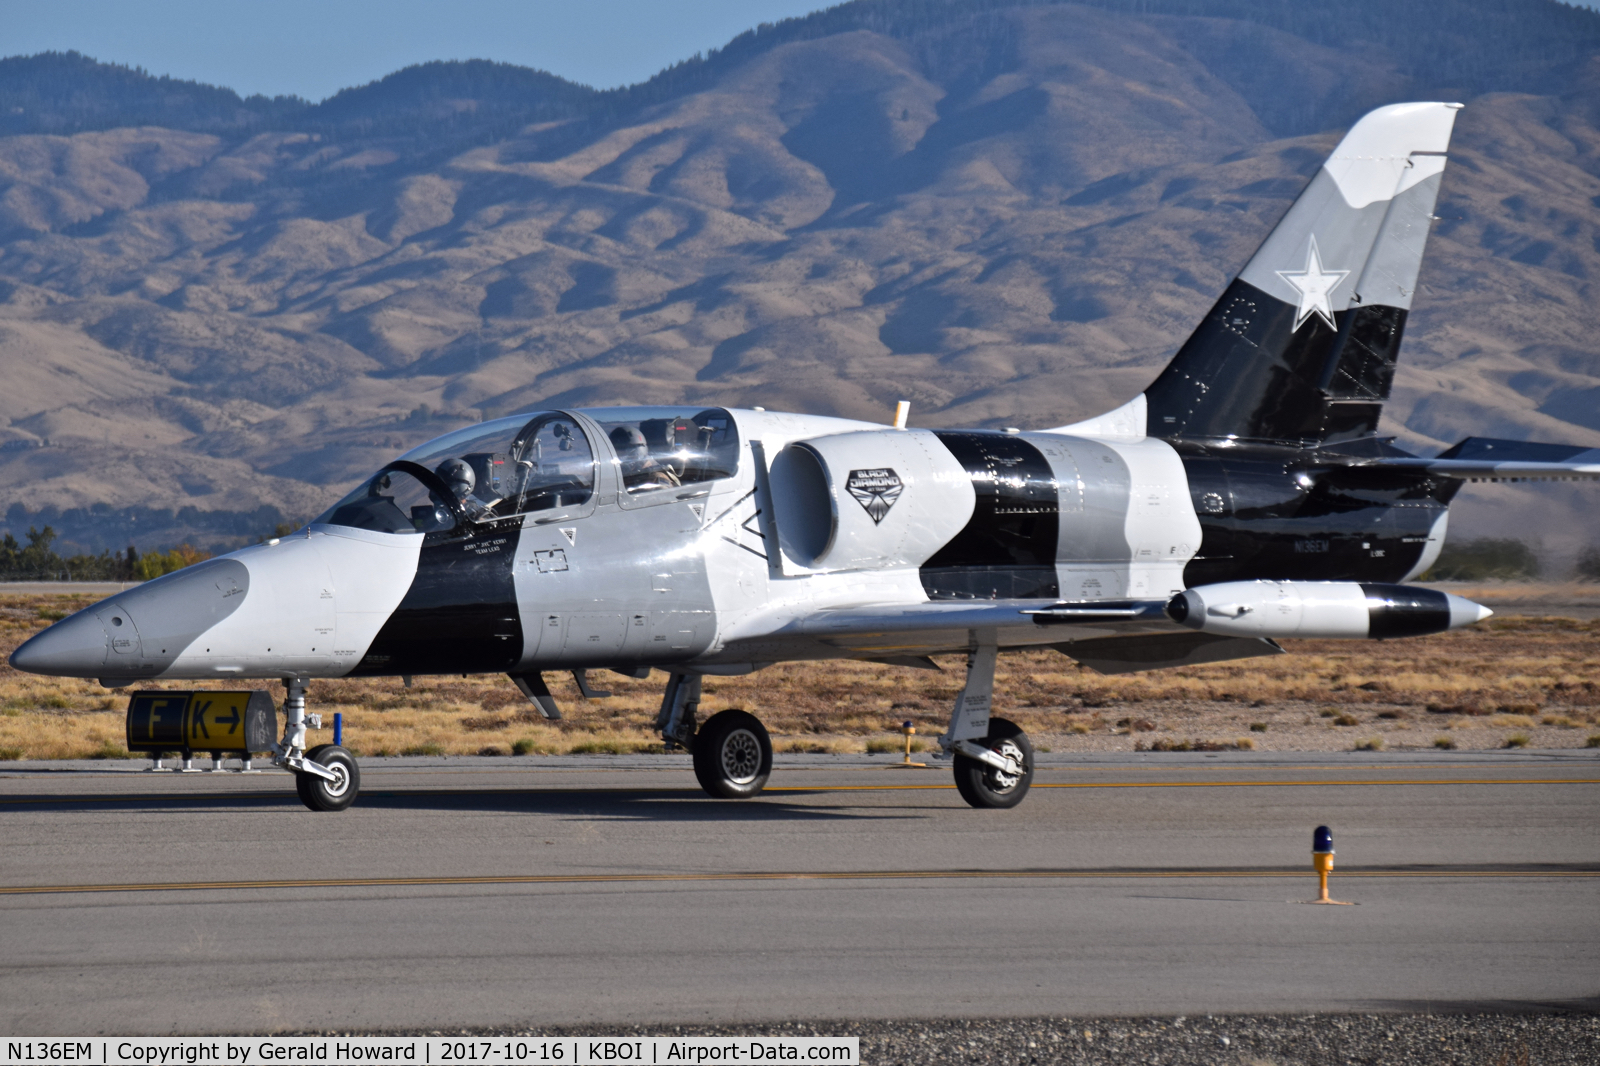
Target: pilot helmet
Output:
[
  {"x": 629, "y": 442},
  {"x": 457, "y": 473}
]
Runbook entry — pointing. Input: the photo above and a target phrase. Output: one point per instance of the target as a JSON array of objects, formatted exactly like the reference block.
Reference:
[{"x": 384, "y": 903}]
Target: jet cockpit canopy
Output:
[
  {"x": 664, "y": 447},
  {"x": 497, "y": 469}
]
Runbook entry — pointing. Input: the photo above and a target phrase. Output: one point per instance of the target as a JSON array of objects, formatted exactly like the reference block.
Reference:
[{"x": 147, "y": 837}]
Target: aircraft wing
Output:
[
  {"x": 1489, "y": 459},
  {"x": 983, "y": 614},
  {"x": 1126, "y": 654},
  {"x": 945, "y": 625},
  {"x": 1108, "y": 636}
]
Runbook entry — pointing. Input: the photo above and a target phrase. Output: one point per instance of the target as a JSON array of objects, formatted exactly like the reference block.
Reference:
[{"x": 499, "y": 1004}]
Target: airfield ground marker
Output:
[
  {"x": 1322, "y": 862},
  {"x": 906, "y": 764}
]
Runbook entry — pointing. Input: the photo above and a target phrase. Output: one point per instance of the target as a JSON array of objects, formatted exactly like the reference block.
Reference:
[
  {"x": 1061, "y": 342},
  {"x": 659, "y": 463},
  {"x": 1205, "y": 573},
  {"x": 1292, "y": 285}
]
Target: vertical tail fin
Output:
[{"x": 1302, "y": 346}]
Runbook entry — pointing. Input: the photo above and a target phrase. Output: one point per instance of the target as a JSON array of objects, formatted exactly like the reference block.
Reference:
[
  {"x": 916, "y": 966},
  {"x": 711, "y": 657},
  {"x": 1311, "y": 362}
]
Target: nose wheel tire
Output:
[
  {"x": 982, "y": 785},
  {"x": 321, "y": 795},
  {"x": 732, "y": 755}
]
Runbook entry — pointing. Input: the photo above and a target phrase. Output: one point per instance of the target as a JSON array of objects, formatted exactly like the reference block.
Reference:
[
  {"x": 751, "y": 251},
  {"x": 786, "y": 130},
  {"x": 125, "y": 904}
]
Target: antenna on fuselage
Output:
[{"x": 902, "y": 411}]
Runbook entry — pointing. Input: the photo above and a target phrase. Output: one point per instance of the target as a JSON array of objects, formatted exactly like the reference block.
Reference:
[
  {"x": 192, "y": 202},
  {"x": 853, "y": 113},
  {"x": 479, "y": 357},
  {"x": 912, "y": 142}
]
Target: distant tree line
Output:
[
  {"x": 1486, "y": 558},
  {"x": 1502, "y": 559},
  {"x": 1589, "y": 564},
  {"x": 37, "y": 561},
  {"x": 91, "y": 530}
]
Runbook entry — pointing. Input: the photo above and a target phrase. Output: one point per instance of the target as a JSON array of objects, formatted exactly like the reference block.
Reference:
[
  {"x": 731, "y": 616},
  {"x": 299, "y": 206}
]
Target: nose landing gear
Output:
[
  {"x": 324, "y": 794},
  {"x": 326, "y": 777}
]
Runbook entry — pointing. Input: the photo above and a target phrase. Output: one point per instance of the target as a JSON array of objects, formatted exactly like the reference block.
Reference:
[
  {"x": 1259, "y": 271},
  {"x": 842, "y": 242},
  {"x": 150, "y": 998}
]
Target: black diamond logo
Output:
[{"x": 876, "y": 490}]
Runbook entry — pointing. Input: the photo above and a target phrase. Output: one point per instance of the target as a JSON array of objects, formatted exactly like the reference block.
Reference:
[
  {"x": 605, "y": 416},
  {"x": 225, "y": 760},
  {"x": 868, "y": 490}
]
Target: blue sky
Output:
[{"x": 313, "y": 48}]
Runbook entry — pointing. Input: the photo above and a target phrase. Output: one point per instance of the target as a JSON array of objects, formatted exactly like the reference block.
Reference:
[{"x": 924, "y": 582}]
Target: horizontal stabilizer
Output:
[{"x": 1488, "y": 459}]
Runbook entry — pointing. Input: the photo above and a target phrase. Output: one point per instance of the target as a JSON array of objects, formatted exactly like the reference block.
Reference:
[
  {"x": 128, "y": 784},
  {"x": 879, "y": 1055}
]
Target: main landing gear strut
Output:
[
  {"x": 993, "y": 760},
  {"x": 732, "y": 751},
  {"x": 992, "y": 756},
  {"x": 326, "y": 777}
]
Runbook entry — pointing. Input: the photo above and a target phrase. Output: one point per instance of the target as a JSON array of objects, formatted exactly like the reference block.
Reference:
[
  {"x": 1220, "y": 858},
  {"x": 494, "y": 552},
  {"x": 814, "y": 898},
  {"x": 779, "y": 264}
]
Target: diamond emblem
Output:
[{"x": 875, "y": 490}]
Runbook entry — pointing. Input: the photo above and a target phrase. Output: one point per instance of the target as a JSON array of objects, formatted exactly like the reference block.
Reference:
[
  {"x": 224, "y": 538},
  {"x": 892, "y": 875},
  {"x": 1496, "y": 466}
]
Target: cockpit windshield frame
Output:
[
  {"x": 491, "y": 472},
  {"x": 667, "y": 452},
  {"x": 368, "y": 508}
]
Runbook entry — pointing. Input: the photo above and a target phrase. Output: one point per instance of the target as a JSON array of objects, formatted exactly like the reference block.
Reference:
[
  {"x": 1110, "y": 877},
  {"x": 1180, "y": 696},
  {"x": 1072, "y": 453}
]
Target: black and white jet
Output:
[{"x": 1245, "y": 496}]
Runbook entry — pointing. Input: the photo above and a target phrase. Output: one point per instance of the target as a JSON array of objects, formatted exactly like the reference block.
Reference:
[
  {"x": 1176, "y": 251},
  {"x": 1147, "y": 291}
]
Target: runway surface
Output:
[{"x": 607, "y": 890}]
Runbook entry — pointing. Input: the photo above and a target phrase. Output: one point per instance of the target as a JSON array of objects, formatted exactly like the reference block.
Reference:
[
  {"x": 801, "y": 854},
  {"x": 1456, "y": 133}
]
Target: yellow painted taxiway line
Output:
[{"x": 793, "y": 875}]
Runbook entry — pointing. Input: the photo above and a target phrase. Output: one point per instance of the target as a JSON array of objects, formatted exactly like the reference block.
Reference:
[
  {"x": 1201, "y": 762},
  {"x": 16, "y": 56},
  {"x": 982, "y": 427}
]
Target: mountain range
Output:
[{"x": 218, "y": 313}]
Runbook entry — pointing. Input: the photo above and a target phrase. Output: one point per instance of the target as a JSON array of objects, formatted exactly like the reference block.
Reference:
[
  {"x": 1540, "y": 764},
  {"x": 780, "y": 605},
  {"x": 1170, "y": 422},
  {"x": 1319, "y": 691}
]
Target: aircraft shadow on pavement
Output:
[
  {"x": 663, "y": 805},
  {"x": 668, "y": 805}
]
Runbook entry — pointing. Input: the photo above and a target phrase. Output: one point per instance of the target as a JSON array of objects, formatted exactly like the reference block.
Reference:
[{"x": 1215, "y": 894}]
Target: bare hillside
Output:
[{"x": 1010, "y": 216}]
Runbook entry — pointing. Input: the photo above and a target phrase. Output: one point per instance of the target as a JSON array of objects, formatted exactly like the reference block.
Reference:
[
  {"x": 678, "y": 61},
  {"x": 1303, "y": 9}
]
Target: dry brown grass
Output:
[{"x": 1476, "y": 682}]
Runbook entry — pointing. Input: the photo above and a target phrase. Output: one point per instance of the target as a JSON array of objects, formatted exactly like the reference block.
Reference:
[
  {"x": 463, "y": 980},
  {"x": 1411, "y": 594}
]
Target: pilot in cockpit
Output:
[
  {"x": 640, "y": 470},
  {"x": 458, "y": 476}
]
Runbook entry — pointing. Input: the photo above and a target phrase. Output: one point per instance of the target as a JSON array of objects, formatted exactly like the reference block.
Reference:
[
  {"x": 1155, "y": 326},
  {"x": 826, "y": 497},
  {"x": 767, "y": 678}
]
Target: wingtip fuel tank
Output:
[{"x": 1334, "y": 609}]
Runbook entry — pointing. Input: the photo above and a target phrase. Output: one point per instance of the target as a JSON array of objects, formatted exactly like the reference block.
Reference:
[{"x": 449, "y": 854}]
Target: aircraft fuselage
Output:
[{"x": 703, "y": 572}]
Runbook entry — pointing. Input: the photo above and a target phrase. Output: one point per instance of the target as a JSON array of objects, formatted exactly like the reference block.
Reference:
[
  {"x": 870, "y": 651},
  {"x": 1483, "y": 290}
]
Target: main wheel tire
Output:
[
  {"x": 732, "y": 755},
  {"x": 984, "y": 786},
  {"x": 321, "y": 795}
]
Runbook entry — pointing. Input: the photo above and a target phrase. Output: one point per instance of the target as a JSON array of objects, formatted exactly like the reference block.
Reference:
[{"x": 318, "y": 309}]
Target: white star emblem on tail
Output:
[{"x": 1314, "y": 286}]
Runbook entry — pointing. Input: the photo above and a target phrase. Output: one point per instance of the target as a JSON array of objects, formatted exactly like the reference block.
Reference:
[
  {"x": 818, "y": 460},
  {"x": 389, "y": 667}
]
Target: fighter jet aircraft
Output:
[{"x": 1244, "y": 496}]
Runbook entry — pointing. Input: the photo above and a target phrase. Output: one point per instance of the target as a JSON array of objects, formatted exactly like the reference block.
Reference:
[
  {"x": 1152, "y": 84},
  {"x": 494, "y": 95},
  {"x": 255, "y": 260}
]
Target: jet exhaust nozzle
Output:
[{"x": 1341, "y": 609}]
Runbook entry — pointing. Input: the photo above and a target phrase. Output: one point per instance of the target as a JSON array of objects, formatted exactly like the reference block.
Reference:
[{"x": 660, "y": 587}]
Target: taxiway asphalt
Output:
[{"x": 607, "y": 890}]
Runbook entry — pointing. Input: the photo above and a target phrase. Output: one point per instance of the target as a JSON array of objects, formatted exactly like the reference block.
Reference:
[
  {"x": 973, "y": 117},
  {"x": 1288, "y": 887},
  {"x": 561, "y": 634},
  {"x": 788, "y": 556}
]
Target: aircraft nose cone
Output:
[
  {"x": 139, "y": 633},
  {"x": 73, "y": 647}
]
